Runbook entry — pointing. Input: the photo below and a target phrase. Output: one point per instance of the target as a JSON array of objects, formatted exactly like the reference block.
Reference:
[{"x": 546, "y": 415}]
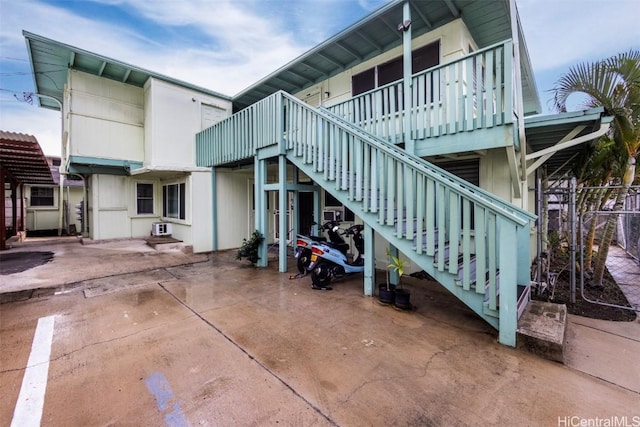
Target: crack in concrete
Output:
[{"x": 253, "y": 358}]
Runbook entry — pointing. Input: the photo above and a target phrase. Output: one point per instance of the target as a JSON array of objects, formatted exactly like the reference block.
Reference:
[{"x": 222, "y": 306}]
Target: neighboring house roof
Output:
[
  {"x": 489, "y": 22},
  {"x": 51, "y": 61},
  {"x": 562, "y": 136},
  {"x": 22, "y": 156}
]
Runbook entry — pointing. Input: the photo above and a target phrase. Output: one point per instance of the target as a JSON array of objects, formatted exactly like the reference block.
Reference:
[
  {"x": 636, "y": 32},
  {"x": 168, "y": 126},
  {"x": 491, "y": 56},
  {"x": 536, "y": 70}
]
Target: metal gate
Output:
[{"x": 571, "y": 218}]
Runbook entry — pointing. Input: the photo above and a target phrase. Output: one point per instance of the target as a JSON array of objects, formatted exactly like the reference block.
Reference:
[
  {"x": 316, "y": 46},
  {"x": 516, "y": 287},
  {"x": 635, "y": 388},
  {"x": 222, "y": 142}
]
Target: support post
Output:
[
  {"x": 295, "y": 209},
  {"x": 508, "y": 308},
  {"x": 260, "y": 196},
  {"x": 284, "y": 210},
  {"x": 394, "y": 277},
  {"x": 409, "y": 144},
  {"x": 539, "y": 222},
  {"x": 14, "y": 206},
  {"x": 22, "y": 221},
  {"x": 572, "y": 245},
  {"x": 369, "y": 261}
]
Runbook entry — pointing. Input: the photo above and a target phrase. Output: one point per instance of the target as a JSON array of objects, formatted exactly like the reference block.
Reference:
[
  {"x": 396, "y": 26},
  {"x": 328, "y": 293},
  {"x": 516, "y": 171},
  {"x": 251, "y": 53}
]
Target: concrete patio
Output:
[{"x": 154, "y": 338}]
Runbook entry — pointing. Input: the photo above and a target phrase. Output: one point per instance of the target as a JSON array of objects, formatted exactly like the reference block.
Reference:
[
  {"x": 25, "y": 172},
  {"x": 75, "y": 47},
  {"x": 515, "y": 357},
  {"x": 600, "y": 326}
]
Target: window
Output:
[
  {"x": 422, "y": 58},
  {"x": 363, "y": 82},
  {"x": 173, "y": 201},
  {"x": 41, "y": 196},
  {"x": 144, "y": 198},
  {"x": 330, "y": 201}
]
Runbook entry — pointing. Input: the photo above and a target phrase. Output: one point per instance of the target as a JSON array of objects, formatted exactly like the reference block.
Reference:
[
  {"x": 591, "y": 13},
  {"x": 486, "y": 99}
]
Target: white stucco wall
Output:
[
  {"x": 155, "y": 125},
  {"x": 173, "y": 115},
  {"x": 201, "y": 212},
  {"x": 233, "y": 208},
  {"x": 109, "y": 206},
  {"x": 106, "y": 118}
]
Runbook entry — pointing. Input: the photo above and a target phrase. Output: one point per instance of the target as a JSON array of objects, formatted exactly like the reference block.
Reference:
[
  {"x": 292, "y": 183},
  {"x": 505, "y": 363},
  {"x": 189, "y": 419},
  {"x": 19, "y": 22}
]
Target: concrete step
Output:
[{"x": 542, "y": 330}]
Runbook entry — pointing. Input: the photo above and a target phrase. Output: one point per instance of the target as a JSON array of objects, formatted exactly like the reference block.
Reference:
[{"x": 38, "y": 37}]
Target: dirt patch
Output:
[
  {"x": 609, "y": 293},
  {"x": 17, "y": 262}
]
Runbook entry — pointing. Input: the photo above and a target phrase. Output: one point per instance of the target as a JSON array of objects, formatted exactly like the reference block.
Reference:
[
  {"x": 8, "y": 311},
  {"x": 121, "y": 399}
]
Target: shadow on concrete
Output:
[{"x": 17, "y": 262}]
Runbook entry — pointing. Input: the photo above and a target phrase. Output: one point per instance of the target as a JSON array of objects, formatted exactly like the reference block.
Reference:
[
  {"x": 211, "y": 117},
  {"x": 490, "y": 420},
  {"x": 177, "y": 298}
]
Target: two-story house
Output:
[
  {"x": 417, "y": 121},
  {"x": 128, "y": 135}
]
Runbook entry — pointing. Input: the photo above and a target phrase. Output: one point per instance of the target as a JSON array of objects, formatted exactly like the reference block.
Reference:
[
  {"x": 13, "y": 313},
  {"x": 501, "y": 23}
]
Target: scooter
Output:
[
  {"x": 329, "y": 260},
  {"x": 303, "y": 250},
  {"x": 304, "y": 244}
]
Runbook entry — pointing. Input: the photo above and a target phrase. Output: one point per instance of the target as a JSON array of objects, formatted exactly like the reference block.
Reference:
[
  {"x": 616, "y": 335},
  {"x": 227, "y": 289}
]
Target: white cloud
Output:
[
  {"x": 42, "y": 123},
  {"x": 560, "y": 33},
  {"x": 247, "y": 47}
]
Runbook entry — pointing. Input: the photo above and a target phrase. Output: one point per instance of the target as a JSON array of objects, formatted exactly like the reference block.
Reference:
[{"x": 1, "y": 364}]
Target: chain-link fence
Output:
[{"x": 628, "y": 230}]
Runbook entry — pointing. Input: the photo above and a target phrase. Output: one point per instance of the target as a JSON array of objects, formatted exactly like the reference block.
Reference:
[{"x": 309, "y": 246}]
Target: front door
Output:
[{"x": 305, "y": 212}]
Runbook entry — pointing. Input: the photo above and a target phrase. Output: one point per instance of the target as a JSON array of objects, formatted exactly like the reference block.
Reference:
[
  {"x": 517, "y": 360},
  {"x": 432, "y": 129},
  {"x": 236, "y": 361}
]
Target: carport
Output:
[{"x": 21, "y": 162}]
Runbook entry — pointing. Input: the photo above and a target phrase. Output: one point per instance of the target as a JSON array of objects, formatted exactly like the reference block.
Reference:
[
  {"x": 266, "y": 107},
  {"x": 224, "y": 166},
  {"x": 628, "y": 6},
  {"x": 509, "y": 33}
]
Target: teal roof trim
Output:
[
  {"x": 489, "y": 22},
  {"x": 545, "y": 131},
  {"x": 98, "y": 165},
  {"x": 563, "y": 118},
  {"x": 51, "y": 61}
]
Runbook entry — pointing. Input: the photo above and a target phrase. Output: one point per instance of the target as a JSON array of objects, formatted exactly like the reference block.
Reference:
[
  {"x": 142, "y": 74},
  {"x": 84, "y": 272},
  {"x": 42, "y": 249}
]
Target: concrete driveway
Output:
[{"x": 217, "y": 342}]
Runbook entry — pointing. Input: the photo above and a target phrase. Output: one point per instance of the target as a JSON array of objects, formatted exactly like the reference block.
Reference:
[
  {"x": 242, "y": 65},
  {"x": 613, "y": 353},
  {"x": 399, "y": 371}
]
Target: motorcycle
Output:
[{"x": 329, "y": 260}]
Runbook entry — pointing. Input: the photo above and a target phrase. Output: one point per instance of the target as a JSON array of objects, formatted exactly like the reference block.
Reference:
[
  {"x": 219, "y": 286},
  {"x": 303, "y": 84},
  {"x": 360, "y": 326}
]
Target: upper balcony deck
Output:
[
  {"x": 453, "y": 107},
  {"x": 464, "y": 105}
]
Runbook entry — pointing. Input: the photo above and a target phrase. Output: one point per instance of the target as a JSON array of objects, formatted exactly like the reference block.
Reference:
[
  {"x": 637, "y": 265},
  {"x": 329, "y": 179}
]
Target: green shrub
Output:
[{"x": 249, "y": 248}]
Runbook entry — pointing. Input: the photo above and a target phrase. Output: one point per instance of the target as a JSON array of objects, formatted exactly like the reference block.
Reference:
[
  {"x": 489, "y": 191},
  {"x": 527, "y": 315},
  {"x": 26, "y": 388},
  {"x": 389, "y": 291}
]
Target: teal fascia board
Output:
[
  {"x": 96, "y": 165},
  {"x": 581, "y": 116}
]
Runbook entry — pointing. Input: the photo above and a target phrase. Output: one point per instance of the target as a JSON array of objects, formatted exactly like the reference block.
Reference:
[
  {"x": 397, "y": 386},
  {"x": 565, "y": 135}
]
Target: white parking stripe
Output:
[{"x": 28, "y": 411}]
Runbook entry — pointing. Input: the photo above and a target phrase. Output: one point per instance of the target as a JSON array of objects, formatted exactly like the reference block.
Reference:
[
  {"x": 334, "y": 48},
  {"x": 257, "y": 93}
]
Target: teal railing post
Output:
[
  {"x": 261, "y": 214},
  {"x": 409, "y": 144},
  {"x": 394, "y": 278},
  {"x": 282, "y": 186},
  {"x": 508, "y": 244},
  {"x": 283, "y": 208},
  {"x": 295, "y": 220},
  {"x": 369, "y": 260}
]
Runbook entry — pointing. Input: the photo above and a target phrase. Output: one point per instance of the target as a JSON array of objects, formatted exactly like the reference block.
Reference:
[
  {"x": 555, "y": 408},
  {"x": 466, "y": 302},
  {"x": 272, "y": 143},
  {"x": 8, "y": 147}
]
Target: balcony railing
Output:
[{"x": 474, "y": 92}]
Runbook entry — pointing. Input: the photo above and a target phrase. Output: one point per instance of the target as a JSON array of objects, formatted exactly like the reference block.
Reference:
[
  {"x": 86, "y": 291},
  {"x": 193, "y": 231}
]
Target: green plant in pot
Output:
[
  {"x": 249, "y": 248},
  {"x": 387, "y": 291},
  {"x": 402, "y": 296}
]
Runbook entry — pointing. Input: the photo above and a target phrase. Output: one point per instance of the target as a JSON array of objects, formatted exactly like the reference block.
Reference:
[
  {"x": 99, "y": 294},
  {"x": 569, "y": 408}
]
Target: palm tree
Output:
[{"x": 614, "y": 84}]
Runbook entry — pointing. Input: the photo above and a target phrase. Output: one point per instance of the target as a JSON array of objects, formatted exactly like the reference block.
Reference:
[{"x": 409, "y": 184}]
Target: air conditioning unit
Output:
[{"x": 161, "y": 229}]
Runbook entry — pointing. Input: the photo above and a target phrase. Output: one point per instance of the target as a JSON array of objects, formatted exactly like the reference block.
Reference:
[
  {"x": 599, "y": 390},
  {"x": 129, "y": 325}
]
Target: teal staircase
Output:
[{"x": 472, "y": 242}]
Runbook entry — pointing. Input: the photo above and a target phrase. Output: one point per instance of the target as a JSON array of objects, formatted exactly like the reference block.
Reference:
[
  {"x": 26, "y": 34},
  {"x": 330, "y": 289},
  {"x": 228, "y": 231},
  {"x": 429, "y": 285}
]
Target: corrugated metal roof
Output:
[{"x": 22, "y": 156}]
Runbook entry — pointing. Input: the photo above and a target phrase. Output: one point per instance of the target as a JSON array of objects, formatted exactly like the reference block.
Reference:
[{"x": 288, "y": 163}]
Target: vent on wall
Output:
[{"x": 161, "y": 229}]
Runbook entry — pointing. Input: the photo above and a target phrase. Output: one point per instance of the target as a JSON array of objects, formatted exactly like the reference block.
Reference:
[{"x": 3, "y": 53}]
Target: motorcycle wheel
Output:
[
  {"x": 321, "y": 276},
  {"x": 303, "y": 261}
]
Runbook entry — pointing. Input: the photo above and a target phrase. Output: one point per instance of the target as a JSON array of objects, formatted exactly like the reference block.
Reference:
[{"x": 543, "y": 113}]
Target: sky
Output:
[{"x": 227, "y": 45}]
